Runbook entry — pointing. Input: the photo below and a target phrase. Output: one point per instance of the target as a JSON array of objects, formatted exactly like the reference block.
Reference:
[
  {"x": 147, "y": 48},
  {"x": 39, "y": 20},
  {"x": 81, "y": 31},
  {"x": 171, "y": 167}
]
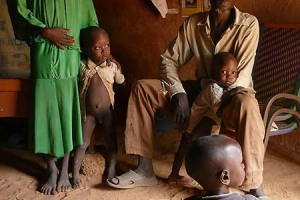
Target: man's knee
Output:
[
  {"x": 146, "y": 88},
  {"x": 245, "y": 100},
  {"x": 139, "y": 85}
]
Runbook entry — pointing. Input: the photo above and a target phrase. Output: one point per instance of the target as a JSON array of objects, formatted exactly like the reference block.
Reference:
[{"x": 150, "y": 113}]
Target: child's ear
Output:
[{"x": 225, "y": 177}]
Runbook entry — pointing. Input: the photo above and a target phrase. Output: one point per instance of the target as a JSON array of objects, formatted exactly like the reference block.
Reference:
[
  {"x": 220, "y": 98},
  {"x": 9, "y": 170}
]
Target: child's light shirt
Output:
[
  {"x": 108, "y": 74},
  {"x": 207, "y": 103}
]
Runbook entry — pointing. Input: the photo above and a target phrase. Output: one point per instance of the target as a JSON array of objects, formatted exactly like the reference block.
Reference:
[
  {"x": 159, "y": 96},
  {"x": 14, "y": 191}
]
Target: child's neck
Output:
[{"x": 98, "y": 63}]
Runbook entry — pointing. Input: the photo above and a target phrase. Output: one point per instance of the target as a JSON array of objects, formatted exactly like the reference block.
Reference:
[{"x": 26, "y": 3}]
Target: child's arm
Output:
[
  {"x": 201, "y": 105},
  {"x": 110, "y": 59},
  {"x": 122, "y": 84},
  {"x": 119, "y": 78}
]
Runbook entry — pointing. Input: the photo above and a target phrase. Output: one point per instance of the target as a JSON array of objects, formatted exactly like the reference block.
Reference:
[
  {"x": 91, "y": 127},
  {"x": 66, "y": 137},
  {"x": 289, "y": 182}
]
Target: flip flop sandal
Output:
[{"x": 131, "y": 179}]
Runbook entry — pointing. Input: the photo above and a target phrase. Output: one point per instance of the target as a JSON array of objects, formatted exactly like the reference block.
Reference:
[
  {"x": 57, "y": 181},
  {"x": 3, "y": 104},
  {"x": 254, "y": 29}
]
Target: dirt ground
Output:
[{"x": 22, "y": 172}]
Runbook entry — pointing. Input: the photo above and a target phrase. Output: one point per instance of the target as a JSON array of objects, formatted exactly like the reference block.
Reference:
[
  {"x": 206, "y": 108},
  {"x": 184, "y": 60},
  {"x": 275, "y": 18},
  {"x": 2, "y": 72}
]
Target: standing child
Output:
[
  {"x": 97, "y": 96},
  {"x": 215, "y": 92},
  {"x": 216, "y": 163}
]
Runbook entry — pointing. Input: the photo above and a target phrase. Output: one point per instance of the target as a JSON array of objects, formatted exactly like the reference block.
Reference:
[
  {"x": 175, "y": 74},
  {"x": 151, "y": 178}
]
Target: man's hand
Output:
[
  {"x": 182, "y": 110},
  {"x": 237, "y": 90},
  {"x": 58, "y": 36}
]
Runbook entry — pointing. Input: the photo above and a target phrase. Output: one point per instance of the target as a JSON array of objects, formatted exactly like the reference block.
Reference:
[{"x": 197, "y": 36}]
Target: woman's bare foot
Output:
[
  {"x": 63, "y": 183},
  {"x": 75, "y": 182},
  {"x": 49, "y": 187}
]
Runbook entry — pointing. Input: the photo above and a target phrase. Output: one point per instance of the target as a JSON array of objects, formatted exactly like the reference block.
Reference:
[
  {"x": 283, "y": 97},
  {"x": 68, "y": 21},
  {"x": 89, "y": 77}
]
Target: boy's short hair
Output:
[
  {"x": 207, "y": 155},
  {"x": 219, "y": 60},
  {"x": 87, "y": 34}
]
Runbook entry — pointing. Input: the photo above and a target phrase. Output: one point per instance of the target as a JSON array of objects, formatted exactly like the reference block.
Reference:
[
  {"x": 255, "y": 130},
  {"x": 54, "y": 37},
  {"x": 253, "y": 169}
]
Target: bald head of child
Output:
[{"x": 216, "y": 163}]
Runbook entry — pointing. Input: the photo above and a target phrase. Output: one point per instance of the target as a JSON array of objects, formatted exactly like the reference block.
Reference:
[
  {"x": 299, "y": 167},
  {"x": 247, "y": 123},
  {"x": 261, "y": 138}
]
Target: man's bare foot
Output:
[
  {"x": 49, "y": 187},
  {"x": 109, "y": 172},
  {"x": 64, "y": 183},
  {"x": 183, "y": 181}
]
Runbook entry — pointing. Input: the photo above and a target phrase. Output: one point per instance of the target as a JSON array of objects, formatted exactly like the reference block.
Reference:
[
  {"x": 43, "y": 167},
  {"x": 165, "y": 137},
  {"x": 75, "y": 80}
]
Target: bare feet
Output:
[
  {"x": 183, "y": 181},
  {"x": 49, "y": 187},
  {"x": 75, "y": 182},
  {"x": 63, "y": 184}
]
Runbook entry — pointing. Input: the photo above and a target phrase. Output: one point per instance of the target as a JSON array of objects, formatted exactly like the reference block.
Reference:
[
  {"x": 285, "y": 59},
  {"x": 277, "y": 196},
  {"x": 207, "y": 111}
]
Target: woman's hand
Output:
[{"x": 58, "y": 36}]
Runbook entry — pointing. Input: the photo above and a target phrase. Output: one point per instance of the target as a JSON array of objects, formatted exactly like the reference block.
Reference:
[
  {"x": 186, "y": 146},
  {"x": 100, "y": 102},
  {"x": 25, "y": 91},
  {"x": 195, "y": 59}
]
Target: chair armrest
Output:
[
  {"x": 275, "y": 114},
  {"x": 273, "y": 99}
]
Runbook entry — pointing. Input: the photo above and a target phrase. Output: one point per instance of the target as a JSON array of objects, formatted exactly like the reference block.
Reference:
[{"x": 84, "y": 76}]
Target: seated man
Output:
[{"x": 223, "y": 28}]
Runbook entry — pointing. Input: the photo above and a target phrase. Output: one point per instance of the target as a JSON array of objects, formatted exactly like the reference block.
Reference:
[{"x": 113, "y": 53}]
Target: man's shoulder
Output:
[
  {"x": 249, "y": 17},
  {"x": 245, "y": 18}
]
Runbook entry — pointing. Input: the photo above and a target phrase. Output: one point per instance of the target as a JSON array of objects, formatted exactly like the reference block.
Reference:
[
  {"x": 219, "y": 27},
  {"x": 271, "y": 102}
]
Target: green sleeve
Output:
[
  {"x": 92, "y": 16},
  {"x": 27, "y": 14}
]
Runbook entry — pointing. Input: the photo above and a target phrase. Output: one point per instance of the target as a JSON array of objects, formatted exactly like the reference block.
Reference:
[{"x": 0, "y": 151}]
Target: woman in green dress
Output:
[{"x": 54, "y": 28}]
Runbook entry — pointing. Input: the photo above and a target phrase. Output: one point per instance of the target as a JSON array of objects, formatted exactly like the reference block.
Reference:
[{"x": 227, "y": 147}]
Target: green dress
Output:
[{"x": 57, "y": 120}]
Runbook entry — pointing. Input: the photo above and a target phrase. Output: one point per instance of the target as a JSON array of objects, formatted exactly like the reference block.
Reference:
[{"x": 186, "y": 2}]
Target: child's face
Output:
[
  {"x": 236, "y": 167},
  {"x": 228, "y": 73},
  {"x": 99, "y": 49}
]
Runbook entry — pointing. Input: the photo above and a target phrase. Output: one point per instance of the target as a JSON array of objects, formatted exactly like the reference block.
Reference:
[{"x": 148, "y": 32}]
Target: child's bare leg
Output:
[
  {"x": 63, "y": 183},
  {"x": 97, "y": 105},
  {"x": 111, "y": 141},
  {"x": 202, "y": 129},
  {"x": 50, "y": 186},
  {"x": 87, "y": 129},
  {"x": 174, "y": 177}
]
